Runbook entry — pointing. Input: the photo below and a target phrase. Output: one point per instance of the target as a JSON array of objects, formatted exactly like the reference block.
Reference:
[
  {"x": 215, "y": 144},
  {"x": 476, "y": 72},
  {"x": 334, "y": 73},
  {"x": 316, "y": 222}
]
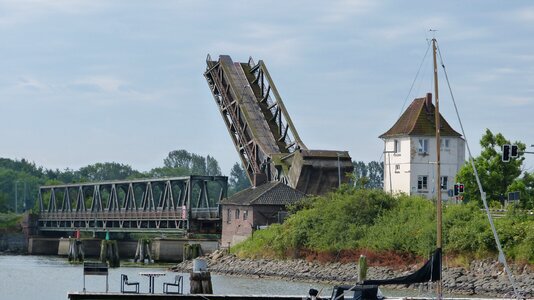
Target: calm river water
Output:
[
  {"x": 46, "y": 277},
  {"x": 50, "y": 278}
]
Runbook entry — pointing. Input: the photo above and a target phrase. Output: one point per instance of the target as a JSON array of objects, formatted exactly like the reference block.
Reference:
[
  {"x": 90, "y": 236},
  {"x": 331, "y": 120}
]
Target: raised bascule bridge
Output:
[
  {"x": 262, "y": 131},
  {"x": 264, "y": 136}
]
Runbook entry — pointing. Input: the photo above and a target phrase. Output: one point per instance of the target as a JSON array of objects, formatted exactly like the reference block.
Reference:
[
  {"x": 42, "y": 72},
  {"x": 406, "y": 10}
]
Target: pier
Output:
[
  {"x": 161, "y": 249},
  {"x": 112, "y": 296}
]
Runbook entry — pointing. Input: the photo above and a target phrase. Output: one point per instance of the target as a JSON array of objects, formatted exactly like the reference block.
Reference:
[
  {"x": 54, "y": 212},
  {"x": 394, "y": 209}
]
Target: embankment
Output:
[
  {"x": 12, "y": 242},
  {"x": 480, "y": 278}
]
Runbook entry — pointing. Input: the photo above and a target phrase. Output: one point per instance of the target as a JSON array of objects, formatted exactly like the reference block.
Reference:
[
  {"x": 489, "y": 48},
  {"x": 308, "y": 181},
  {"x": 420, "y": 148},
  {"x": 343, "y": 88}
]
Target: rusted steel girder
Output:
[
  {"x": 178, "y": 204},
  {"x": 263, "y": 133}
]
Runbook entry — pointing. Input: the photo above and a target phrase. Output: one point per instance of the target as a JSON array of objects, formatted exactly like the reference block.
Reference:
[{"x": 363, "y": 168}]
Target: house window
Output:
[
  {"x": 444, "y": 143},
  {"x": 245, "y": 214},
  {"x": 397, "y": 168},
  {"x": 229, "y": 216},
  {"x": 422, "y": 183},
  {"x": 444, "y": 182},
  {"x": 423, "y": 146},
  {"x": 237, "y": 214},
  {"x": 396, "y": 146}
]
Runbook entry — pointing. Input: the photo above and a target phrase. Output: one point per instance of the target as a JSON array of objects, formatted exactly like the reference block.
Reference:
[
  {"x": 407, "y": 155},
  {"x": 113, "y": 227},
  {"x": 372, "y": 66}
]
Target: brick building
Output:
[{"x": 254, "y": 207}]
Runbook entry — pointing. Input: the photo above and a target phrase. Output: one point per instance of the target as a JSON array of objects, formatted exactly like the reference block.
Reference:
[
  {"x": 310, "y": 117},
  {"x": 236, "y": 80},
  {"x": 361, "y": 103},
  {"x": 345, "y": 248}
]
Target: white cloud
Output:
[
  {"x": 103, "y": 83},
  {"x": 518, "y": 101},
  {"x": 32, "y": 84},
  {"x": 14, "y": 12},
  {"x": 284, "y": 51},
  {"x": 343, "y": 10},
  {"x": 495, "y": 74},
  {"x": 525, "y": 14}
]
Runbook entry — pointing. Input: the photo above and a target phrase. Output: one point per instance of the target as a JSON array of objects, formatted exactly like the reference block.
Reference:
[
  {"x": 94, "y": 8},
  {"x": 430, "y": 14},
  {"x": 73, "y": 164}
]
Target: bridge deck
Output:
[{"x": 249, "y": 106}]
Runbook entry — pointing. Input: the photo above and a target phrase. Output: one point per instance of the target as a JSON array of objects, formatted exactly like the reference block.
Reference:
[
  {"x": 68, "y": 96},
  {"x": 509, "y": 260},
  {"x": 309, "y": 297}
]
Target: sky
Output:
[{"x": 93, "y": 81}]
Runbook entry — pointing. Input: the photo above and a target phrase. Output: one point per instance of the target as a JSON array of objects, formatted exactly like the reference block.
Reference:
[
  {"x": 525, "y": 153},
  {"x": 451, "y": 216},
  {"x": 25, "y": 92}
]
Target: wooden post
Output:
[
  {"x": 200, "y": 283},
  {"x": 109, "y": 252},
  {"x": 143, "y": 251},
  {"x": 76, "y": 253},
  {"x": 192, "y": 251},
  {"x": 362, "y": 268},
  {"x": 207, "y": 288}
]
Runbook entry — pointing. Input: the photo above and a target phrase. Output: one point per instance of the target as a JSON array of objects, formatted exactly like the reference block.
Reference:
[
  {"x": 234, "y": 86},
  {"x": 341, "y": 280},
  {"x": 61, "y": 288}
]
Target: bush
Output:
[
  {"x": 410, "y": 228},
  {"x": 9, "y": 220},
  {"x": 264, "y": 243},
  {"x": 351, "y": 219}
]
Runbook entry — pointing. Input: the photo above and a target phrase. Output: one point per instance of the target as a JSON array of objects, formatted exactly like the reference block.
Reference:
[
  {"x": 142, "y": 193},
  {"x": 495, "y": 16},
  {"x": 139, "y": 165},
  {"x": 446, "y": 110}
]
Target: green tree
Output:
[
  {"x": 178, "y": 159},
  {"x": 168, "y": 172},
  {"x": 375, "y": 170},
  {"x": 194, "y": 164},
  {"x": 106, "y": 171},
  {"x": 198, "y": 165},
  {"x": 238, "y": 180},
  {"x": 4, "y": 205},
  {"x": 370, "y": 175},
  {"x": 212, "y": 166},
  {"x": 525, "y": 187},
  {"x": 496, "y": 176}
]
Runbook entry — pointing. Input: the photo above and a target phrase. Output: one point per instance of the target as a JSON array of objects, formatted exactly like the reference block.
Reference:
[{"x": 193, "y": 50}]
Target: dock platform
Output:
[{"x": 143, "y": 296}]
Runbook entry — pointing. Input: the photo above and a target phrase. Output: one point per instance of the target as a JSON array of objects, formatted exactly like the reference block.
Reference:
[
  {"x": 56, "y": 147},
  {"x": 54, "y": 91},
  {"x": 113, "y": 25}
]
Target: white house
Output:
[{"x": 410, "y": 152}]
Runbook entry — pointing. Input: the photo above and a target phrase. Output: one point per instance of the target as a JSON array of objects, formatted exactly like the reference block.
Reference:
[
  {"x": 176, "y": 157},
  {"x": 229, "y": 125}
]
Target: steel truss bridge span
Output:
[
  {"x": 263, "y": 133},
  {"x": 178, "y": 205}
]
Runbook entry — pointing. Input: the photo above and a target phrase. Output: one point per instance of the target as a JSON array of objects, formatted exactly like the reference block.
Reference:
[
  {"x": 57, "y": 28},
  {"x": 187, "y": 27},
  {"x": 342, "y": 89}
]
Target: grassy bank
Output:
[
  {"x": 350, "y": 221},
  {"x": 9, "y": 221}
]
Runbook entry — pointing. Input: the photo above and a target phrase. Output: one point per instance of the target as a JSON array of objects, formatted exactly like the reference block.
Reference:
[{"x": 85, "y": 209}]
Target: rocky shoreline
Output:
[{"x": 482, "y": 278}]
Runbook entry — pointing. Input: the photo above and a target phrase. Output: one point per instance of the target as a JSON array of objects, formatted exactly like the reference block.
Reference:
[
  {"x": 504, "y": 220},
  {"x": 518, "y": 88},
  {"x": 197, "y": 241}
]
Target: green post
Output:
[{"x": 362, "y": 268}]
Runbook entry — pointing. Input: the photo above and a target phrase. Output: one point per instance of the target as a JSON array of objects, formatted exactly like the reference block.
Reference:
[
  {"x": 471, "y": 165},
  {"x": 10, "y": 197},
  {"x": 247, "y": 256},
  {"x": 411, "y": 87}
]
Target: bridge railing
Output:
[{"x": 131, "y": 215}]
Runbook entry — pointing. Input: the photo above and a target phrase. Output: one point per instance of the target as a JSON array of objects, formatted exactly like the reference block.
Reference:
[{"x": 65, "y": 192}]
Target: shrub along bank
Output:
[{"x": 372, "y": 220}]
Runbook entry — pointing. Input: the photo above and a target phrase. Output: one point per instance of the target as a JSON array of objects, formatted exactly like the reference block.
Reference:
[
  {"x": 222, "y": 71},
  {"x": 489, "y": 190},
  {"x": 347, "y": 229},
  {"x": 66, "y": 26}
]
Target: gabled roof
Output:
[
  {"x": 270, "y": 193},
  {"x": 418, "y": 120}
]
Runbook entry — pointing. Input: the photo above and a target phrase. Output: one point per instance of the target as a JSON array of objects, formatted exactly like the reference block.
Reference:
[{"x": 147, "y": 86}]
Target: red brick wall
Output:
[{"x": 236, "y": 230}]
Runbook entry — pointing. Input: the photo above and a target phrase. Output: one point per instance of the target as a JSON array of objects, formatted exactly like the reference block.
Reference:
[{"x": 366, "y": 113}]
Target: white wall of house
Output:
[{"x": 409, "y": 165}]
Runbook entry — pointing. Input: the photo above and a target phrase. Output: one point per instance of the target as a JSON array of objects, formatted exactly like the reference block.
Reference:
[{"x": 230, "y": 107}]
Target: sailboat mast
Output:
[{"x": 438, "y": 168}]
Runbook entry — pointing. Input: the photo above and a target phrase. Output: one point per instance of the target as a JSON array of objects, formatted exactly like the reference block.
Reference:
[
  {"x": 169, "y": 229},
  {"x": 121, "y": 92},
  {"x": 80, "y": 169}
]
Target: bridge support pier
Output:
[
  {"x": 76, "y": 252},
  {"x": 109, "y": 252},
  {"x": 144, "y": 251}
]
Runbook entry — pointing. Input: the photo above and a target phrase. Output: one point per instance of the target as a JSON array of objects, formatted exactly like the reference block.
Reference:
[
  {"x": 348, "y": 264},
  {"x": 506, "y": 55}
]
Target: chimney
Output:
[{"x": 428, "y": 101}]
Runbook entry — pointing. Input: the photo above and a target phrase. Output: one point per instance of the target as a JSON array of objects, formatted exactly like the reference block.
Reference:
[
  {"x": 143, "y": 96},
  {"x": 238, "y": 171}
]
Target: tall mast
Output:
[{"x": 438, "y": 169}]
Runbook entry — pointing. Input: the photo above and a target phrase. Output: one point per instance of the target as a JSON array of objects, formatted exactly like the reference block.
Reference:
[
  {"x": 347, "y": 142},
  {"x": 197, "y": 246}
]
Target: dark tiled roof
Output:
[
  {"x": 270, "y": 193},
  {"x": 418, "y": 120}
]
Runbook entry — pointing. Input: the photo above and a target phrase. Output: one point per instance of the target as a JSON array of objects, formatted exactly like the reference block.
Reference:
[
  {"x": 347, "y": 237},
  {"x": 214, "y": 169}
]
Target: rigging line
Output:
[
  {"x": 502, "y": 258},
  {"x": 415, "y": 79}
]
